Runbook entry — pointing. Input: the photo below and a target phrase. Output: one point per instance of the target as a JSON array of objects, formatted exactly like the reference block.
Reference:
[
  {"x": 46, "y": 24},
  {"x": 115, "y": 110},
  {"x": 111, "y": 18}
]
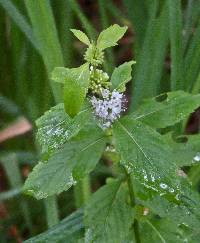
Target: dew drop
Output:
[
  {"x": 40, "y": 194},
  {"x": 31, "y": 191},
  {"x": 67, "y": 133},
  {"x": 163, "y": 185},
  {"x": 197, "y": 157},
  {"x": 145, "y": 175},
  {"x": 177, "y": 197},
  {"x": 152, "y": 178},
  {"x": 171, "y": 190}
]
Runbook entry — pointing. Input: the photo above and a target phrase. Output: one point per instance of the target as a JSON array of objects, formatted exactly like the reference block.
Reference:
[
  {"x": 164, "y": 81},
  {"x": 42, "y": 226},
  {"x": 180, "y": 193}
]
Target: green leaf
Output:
[
  {"x": 161, "y": 230},
  {"x": 69, "y": 229},
  {"x": 121, "y": 76},
  {"x": 110, "y": 36},
  {"x": 59, "y": 74},
  {"x": 55, "y": 127},
  {"x": 145, "y": 153},
  {"x": 107, "y": 215},
  {"x": 81, "y": 36},
  {"x": 186, "y": 149},
  {"x": 76, "y": 81},
  {"x": 186, "y": 212},
  {"x": 65, "y": 167},
  {"x": 176, "y": 107}
]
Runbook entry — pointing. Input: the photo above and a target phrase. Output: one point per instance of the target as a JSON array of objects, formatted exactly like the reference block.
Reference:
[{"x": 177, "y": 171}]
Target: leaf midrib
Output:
[
  {"x": 112, "y": 202},
  {"x": 157, "y": 232},
  {"x": 135, "y": 141}
]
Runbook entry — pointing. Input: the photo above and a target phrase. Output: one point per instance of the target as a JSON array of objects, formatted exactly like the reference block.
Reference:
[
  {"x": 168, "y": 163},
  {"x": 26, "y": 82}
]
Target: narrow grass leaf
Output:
[
  {"x": 176, "y": 44},
  {"x": 90, "y": 30},
  {"x": 191, "y": 61},
  {"x": 44, "y": 28},
  {"x": 151, "y": 51},
  {"x": 20, "y": 21}
]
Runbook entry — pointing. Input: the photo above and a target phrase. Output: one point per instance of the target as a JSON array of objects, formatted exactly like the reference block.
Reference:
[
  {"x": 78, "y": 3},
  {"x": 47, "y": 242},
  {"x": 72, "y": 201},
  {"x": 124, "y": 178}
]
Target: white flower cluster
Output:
[{"x": 109, "y": 107}]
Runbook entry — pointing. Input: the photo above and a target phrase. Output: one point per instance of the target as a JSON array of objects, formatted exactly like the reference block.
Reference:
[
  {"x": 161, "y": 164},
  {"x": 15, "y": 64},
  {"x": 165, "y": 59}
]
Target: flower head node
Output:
[
  {"x": 94, "y": 56},
  {"x": 108, "y": 107},
  {"x": 98, "y": 80}
]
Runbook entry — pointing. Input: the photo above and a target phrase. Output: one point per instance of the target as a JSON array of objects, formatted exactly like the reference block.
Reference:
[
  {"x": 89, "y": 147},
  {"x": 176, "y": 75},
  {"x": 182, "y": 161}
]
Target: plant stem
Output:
[
  {"x": 133, "y": 203},
  {"x": 82, "y": 192},
  {"x": 51, "y": 211},
  {"x": 11, "y": 168}
]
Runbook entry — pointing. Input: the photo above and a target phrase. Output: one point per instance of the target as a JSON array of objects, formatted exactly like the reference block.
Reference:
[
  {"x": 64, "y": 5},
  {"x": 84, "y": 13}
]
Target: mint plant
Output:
[{"x": 150, "y": 194}]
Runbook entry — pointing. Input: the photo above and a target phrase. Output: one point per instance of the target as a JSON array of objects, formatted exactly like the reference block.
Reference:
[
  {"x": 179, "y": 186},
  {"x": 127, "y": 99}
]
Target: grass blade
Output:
[
  {"x": 20, "y": 21},
  {"x": 116, "y": 13},
  {"x": 188, "y": 22},
  {"x": 142, "y": 87},
  {"x": 83, "y": 19},
  {"x": 44, "y": 27},
  {"x": 65, "y": 21},
  {"x": 10, "y": 165},
  {"x": 191, "y": 61},
  {"x": 9, "y": 194},
  {"x": 175, "y": 21},
  {"x": 138, "y": 15}
]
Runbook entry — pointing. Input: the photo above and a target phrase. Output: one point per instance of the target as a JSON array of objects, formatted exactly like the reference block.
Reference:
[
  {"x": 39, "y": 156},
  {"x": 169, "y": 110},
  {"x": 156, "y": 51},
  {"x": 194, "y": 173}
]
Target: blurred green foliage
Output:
[{"x": 164, "y": 39}]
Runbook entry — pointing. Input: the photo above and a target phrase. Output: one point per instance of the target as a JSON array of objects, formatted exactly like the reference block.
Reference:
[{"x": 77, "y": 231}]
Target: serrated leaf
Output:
[
  {"x": 58, "y": 174},
  {"x": 185, "y": 213},
  {"x": 69, "y": 229},
  {"x": 176, "y": 107},
  {"x": 186, "y": 151},
  {"x": 121, "y": 75},
  {"x": 108, "y": 215},
  {"x": 76, "y": 81},
  {"x": 161, "y": 230},
  {"x": 81, "y": 36},
  {"x": 56, "y": 127},
  {"x": 110, "y": 36},
  {"x": 145, "y": 153}
]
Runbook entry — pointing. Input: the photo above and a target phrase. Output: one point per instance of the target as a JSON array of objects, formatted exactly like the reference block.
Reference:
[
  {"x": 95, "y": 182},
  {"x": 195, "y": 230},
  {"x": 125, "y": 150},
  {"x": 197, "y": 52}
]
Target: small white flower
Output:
[
  {"x": 109, "y": 107},
  {"x": 105, "y": 93},
  {"x": 116, "y": 95}
]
